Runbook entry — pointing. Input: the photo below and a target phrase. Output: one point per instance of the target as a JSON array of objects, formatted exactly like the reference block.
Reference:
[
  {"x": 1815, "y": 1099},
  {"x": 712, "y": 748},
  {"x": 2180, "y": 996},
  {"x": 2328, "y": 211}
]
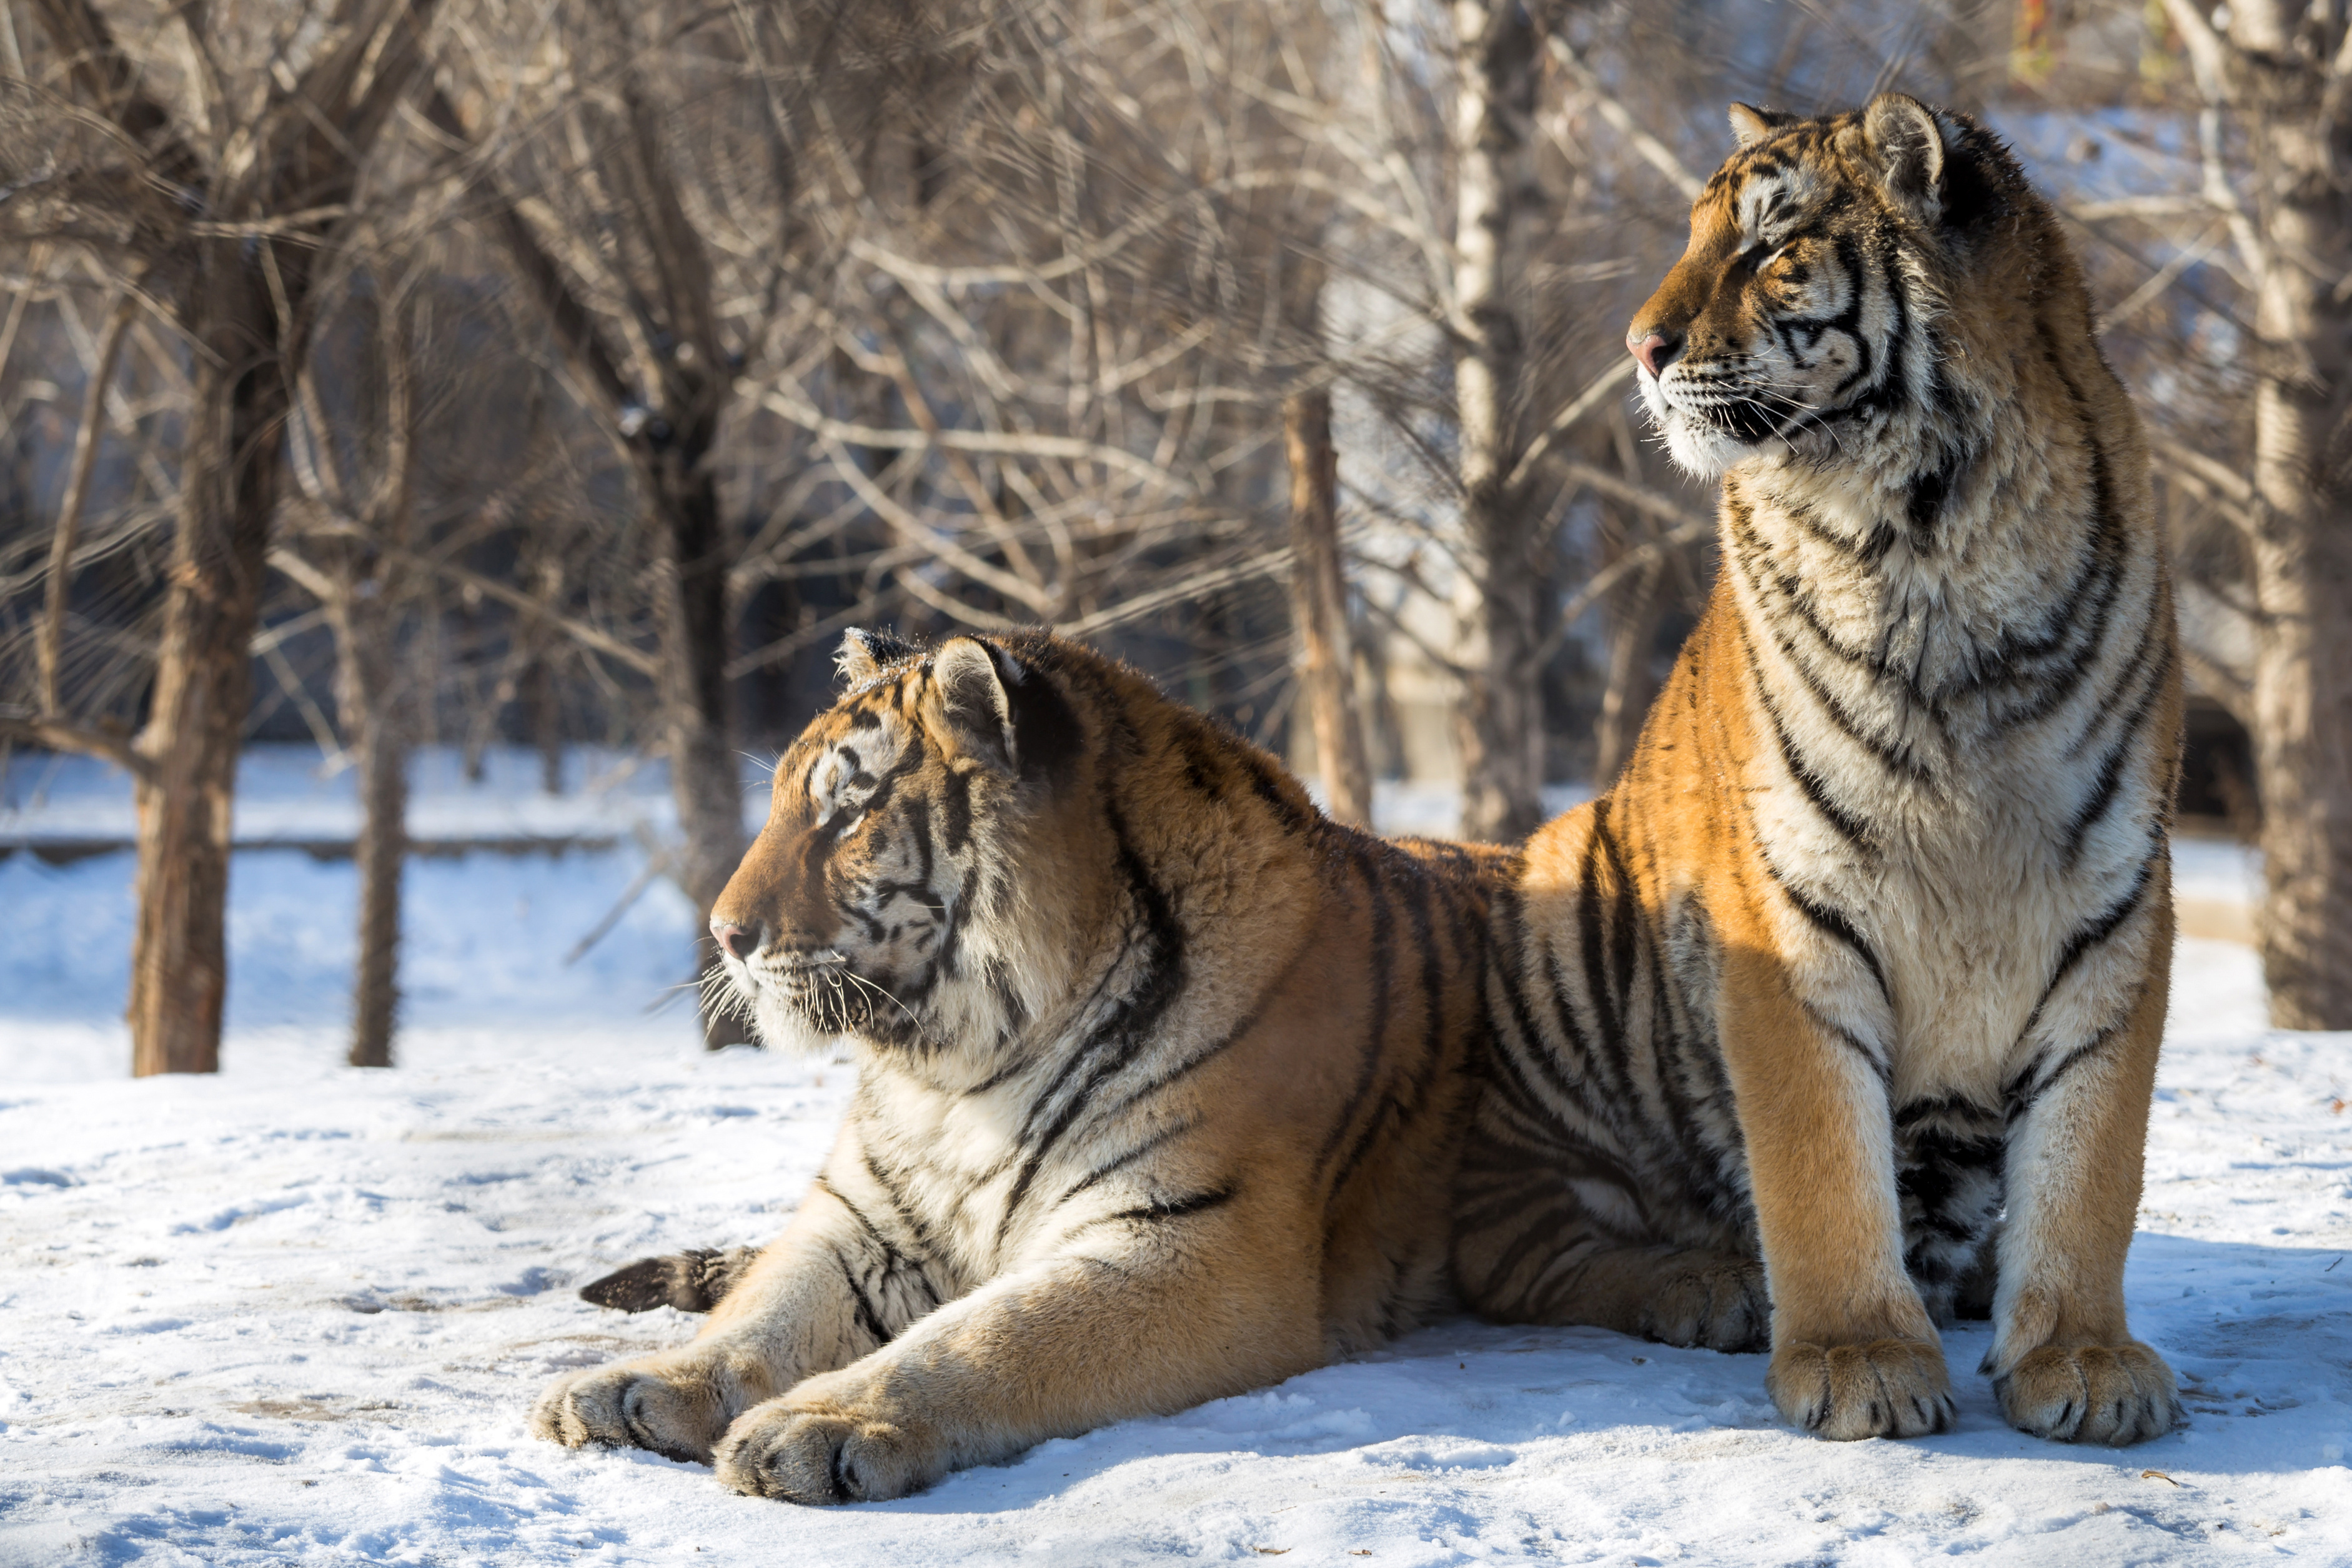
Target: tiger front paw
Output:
[
  {"x": 1717, "y": 1306},
  {"x": 2117, "y": 1394},
  {"x": 1888, "y": 1388},
  {"x": 820, "y": 1453},
  {"x": 661, "y": 1403}
]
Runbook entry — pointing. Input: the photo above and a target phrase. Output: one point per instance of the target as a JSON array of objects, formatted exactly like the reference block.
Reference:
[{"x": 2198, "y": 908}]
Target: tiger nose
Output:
[
  {"x": 1655, "y": 350},
  {"x": 740, "y": 942}
]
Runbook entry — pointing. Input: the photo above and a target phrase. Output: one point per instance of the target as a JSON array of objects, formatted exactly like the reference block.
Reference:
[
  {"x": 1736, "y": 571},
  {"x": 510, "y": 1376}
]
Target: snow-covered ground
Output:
[{"x": 295, "y": 1312}]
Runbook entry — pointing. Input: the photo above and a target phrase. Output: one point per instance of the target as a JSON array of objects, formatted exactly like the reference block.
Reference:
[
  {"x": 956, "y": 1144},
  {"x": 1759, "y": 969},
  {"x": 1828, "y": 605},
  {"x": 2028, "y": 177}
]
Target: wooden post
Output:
[{"x": 1319, "y": 601}]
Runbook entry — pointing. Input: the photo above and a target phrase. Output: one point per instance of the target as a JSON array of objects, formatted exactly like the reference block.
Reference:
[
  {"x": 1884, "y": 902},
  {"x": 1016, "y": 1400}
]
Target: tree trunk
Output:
[
  {"x": 1319, "y": 601},
  {"x": 1501, "y": 722},
  {"x": 1625, "y": 699},
  {"x": 542, "y": 713},
  {"x": 704, "y": 779},
  {"x": 228, "y": 495},
  {"x": 377, "y": 719},
  {"x": 2302, "y": 539}
]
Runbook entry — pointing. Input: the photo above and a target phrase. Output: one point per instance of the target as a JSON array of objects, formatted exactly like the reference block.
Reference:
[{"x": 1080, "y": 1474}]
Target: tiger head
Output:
[
  {"x": 1821, "y": 256},
  {"x": 906, "y": 821}
]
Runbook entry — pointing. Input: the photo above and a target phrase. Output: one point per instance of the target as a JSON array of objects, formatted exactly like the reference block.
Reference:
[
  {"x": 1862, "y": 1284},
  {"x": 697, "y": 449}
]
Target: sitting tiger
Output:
[
  {"x": 1162, "y": 1076},
  {"x": 1838, "y": 1014}
]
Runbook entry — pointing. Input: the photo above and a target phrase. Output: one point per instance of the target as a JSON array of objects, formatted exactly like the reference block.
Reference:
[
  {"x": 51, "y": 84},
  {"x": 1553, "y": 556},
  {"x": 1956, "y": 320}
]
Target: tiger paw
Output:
[
  {"x": 1717, "y": 1306},
  {"x": 666, "y": 1405},
  {"x": 823, "y": 1454},
  {"x": 1888, "y": 1388},
  {"x": 2117, "y": 1394}
]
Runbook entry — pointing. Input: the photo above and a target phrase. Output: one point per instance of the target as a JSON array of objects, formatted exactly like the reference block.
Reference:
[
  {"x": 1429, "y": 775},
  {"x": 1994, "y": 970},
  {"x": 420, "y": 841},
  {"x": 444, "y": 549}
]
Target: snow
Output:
[
  {"x": 295, "y": 1312},
  {"x": 284, "y": 794}
]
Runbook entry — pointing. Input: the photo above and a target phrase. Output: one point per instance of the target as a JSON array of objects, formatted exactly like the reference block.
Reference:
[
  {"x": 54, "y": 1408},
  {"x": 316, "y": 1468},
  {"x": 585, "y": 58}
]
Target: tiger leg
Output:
[
  {"x": 1529, "y": 1248},
  {"x": 1186, "y": 1306},
  {"x": 2063, "y": 1362},
  {"x": 825, "y": 1293},
  {"x": 1855, "y": 1352}
]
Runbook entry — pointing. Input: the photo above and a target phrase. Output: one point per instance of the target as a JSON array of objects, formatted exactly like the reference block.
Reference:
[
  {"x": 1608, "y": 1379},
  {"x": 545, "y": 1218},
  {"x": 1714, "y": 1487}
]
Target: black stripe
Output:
[
  {"x": 908, "y": 1218},
  {"x": 1833, "y": 923},
  {"x": 2111, "y": 769},
  {"x": 2100, "y": 577},
  {"x": 1119, "y": 1163},
  {"x": 2023, "y": 1099},
  {"x": 867, "y": 1318},
  {"x": 1894, "y": 755},
  {"x": 1800, "y": 768},
  {"x": 1594, "y": 946},
  {"x": 2102, "y": 928},
  {"x": 1879, "y": 1068},
  {"x": 1120, "y": 1037},
  {"x": 1161, "y": 1209},
  {"x": 1509, "y": 954},
  {"x": 1405, "y": 1101},
  {"x": 1608, "y": 1052},
  {"x": 1368, "y": 1059},
  {"x": 2083, "y": 940},
  {"x": 955, "y": 791}
]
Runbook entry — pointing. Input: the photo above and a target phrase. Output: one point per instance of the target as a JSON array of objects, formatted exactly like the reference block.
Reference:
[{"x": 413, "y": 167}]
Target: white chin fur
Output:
[
  {"x": 783, "y": 1028},
  {"x": 1700, "y": 452},
  {"x": 1697, "y": 449}
]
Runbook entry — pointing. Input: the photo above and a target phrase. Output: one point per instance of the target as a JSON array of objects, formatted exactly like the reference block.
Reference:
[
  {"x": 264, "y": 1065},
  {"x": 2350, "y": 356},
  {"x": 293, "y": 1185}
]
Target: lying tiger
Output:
[
  {"x": 1163, "y": 1077},
  {"x": 1870, "y": 942}
]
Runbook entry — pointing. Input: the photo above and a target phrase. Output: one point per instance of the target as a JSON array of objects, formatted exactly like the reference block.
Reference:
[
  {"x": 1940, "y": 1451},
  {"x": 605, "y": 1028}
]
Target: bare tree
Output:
[
  {"x": 2285, "y": 71},
  {"x": 260, "y": 176},
  {"x": 629, "y": 243},
  {"x": 353, "y": 555}
]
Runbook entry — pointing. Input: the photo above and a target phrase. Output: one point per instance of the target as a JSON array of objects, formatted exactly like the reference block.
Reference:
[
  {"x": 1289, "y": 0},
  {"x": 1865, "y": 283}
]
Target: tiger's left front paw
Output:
[
  {"x": 822, "y": 1454},
  {"x": 2117, "y": 1394}
]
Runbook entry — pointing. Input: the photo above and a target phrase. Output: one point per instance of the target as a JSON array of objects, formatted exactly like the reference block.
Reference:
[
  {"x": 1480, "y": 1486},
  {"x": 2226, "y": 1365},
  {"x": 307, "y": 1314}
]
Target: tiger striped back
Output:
[
  {"x": 1868, "y": 948},
  {"x": 1161, "y": 1080}
]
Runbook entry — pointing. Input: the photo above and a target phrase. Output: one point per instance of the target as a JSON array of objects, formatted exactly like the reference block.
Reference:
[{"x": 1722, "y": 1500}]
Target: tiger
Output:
[
  {"x": 1162, "y": 1076},
  {"x": 1835, "y": 1017}
]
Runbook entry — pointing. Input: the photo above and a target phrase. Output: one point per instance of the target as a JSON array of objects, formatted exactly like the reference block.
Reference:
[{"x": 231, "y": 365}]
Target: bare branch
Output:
[
  {"x": 1582, "y": 404},
  {"x": 51, "y": 647},
  {"x": 1654, "y": 153},
  {"x": 1640, "y": 497},
  {"x": 62, "y": 735}
]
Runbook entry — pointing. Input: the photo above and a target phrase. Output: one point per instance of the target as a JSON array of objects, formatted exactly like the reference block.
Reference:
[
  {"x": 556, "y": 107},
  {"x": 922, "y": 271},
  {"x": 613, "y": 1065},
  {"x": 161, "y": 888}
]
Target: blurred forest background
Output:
[{"x": 388, "y": 375}]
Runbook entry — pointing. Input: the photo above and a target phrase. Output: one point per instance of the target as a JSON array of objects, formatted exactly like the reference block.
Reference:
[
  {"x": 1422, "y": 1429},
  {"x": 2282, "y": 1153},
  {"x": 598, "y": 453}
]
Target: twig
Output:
[
  {"x": 1582, "y": 404},
  {"x": 657, "y": 865}
]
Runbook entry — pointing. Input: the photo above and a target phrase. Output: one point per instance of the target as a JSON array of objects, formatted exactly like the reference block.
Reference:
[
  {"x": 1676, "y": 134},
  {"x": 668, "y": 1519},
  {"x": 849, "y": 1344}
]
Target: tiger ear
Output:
[
  {"x": 1750, "y": 124},
  {"x": 968, "y": 706},
  {"x": 1906, "y": 144},
  {"x": 866, "y": 654}
]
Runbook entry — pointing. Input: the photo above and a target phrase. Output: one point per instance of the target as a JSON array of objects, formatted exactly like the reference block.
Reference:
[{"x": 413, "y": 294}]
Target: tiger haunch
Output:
[
  {"x": 1163, "y": 1077},
  {"x": 1838, "y": 1014}
]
